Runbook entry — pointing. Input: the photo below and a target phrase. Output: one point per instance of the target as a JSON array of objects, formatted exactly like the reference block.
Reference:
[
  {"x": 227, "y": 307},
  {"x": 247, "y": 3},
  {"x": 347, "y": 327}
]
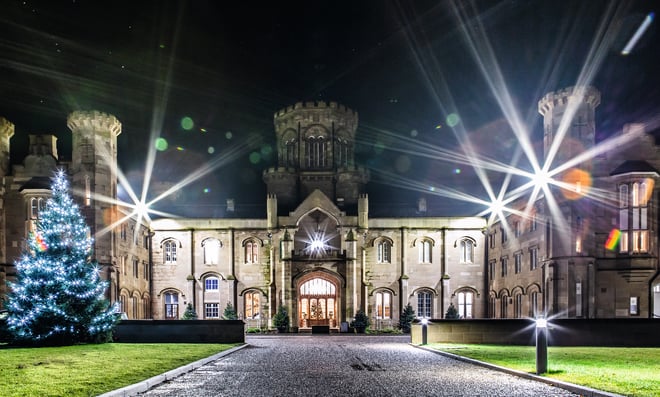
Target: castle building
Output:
[
  {"x": 587, "y": 248},
  {"x": 319, "y": 253}
]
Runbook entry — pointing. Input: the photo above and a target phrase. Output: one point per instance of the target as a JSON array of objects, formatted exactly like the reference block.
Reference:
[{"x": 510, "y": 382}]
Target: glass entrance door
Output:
[{"x": 318, "y": 303}]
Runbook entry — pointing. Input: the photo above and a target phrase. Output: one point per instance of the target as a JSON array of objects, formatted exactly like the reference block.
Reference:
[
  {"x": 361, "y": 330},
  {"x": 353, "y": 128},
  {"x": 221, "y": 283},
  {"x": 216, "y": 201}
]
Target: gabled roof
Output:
[{"x": 634, "y": 166}]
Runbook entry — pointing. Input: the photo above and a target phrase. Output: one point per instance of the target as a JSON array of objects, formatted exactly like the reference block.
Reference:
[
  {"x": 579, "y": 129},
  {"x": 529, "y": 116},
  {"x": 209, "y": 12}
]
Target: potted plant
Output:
[
  {"x": 281, "y": 319},
  {"x": 360, "y": 322}
]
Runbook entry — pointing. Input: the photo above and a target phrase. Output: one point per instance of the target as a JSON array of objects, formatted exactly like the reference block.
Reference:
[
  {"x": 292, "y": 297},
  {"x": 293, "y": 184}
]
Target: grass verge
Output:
[
  {"x": 621, "y": 370},
  {"x": 86, "y": 370}
]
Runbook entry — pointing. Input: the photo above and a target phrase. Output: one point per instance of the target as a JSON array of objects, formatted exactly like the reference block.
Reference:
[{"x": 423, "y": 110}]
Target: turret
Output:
[
  {"x": 6, "y": 132},
  {"x": 94, "y": 171},
  {"x": 569, "y": 115}
]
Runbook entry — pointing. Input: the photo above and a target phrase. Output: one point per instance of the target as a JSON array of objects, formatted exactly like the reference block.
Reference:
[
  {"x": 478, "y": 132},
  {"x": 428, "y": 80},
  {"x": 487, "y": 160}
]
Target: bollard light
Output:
[
  {"x": 541, "y": 346},
  {"x": 425, "y": 322}
]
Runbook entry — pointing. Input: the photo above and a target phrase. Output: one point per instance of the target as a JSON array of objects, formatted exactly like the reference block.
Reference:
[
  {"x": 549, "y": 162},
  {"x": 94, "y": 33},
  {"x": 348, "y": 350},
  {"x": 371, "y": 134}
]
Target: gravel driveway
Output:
[{"x": 341, "y": 365}]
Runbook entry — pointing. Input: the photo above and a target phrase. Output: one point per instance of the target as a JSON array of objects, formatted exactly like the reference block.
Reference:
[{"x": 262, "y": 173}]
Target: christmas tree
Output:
[
  {"x": 58, "y": 298},
  {"x": 190, "y": 313}
]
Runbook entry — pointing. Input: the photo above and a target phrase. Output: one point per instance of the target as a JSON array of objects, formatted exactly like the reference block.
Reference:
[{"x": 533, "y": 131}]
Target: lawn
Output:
[
  {"x": 85, "y": 370},
  {"x": 622, "y": 370}
]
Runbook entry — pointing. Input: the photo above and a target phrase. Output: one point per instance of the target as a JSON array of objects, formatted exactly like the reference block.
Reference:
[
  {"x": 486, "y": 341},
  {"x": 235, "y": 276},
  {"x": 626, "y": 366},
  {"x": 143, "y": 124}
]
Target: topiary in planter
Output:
[
  {"x": 361, "y": 322},
  {"x": 281, "y": 319},
  {"x": 406, "y": 319}
]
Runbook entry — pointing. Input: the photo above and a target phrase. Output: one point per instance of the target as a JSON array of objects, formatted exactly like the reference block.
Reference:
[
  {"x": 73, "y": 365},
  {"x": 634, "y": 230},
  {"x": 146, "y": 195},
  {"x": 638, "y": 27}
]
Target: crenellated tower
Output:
[
  {"x": 315, "y": 145},
  {"x": 94, "y": 173}
]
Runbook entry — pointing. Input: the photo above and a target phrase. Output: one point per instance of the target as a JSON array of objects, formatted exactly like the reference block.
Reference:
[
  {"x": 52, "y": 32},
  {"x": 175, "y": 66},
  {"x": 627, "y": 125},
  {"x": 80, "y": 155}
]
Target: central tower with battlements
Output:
[{"x": 315, "y": 146}]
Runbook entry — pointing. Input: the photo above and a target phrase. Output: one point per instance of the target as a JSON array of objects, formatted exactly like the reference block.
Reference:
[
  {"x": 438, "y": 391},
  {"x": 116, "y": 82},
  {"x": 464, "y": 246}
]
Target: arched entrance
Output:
[{"x": 318, "y": 300}]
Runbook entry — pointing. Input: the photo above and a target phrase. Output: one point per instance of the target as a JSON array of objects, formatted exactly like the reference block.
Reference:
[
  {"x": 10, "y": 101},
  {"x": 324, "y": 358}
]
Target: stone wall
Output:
[
  {"x": 561, "y": 332},
  {"x": 180, "y": 331}
]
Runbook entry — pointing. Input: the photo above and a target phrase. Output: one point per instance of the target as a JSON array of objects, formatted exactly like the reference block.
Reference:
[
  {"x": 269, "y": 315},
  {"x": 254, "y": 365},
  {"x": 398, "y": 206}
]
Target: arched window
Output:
[
  {"x": 37, "y": 204},
  {"x": 211, "y": 251},
  {"x": 504, "y": 303},
  {"x": 465, "y": 302},
  {"x": 623, "y": 196},
  {"x": 290, "y": 153},
  {"x": 467, "y": 250},
  {"x": 424, "y": 304},
  {"x": 170, "y": 251},
  {"x": 425, "y": 251},
  {"x": 384, "y": 248},
  {"x": 517, "y": 306},
  {"x": 534, "y": 308},
  {"x": 315, "y": 152},
  {"x": 171, "y": 305},
  {"x": 251, "y": 252},
  {"x": 252, "y": 305},
  {"x": 211, "y": 284},
  {"x": 383, "y": 305}
]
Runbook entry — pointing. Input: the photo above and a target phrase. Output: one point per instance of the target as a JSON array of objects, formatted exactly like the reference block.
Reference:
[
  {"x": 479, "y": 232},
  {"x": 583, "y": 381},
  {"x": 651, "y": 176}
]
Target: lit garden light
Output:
[
  {"x": 425, "y": 322},
  {"x": 541, "y": 346}
]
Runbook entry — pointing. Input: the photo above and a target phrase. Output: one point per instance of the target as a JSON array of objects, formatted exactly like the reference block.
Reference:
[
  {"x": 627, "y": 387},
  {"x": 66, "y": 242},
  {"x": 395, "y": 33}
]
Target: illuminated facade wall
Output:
[{"x": 590, "y": 250}]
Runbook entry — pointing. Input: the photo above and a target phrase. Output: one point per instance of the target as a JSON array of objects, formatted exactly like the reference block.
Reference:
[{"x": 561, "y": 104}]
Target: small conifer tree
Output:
[
  {"x": 406, "y": 318},
  {"x": 190, "y": 313},
  {"x": 230, "y": 312},
  {"x": 452, "y": 312}
]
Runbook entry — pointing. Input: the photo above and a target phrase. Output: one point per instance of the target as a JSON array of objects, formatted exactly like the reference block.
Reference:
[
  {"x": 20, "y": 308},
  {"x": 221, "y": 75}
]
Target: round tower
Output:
[
  {"x": 315, "y": 144},
  {"x": 569, "y": 114},
  {"x": 94, "y": 172},
  {"x": 6, "y": 132}
]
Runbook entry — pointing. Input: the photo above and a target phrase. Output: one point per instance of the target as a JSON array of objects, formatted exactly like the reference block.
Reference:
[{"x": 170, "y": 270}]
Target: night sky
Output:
[{"x": 404, "y": 66}]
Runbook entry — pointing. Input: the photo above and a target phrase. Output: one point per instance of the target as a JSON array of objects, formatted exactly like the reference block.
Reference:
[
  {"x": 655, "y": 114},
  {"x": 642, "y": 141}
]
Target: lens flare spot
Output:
[
  {"x": 438, "y": 127},
  {"x": 161, "y": 144},
  {"x": 187, "y": 123},
  {"x": 453, "y": 120},
  {"x": 413, "y": 133},
  {"x": 576, "y": 184},
  {"x": 457, "y": 171},
  {"x": 211, "y": 150},
  {"x": 206, "y": 190},
  {"x": 379, "y": 147},
  {"x": 229, "y": 135},
  {"x": 255, "y": 158},
  {"x": 266, "y": 150},
  {"x": 402, "y": 164},
  {"x": 202, "y": 129},
  {"x": 180, "y": 148}
]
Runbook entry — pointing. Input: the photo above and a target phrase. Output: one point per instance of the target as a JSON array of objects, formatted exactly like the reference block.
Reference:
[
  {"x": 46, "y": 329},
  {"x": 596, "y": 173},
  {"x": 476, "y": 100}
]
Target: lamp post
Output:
[
  {"x": 424, "y": 331},
  {"x": 541, "y": 346}
]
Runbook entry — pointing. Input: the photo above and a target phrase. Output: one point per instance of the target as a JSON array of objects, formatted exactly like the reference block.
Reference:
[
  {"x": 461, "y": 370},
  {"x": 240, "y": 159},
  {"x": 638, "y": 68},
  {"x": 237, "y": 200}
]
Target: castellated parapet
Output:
[
  {"x": 316, "y": 113},
  {"x": 587, "y": 94},
  {"x": 6, "y": 132},
  {"x": 96, "y": 121}
]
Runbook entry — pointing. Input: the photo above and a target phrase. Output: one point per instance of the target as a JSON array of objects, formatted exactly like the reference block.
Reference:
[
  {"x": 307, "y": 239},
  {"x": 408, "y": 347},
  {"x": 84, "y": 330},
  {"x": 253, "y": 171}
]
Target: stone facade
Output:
[
  {"x": 565, "y": 240},
  {"x": 319, "y": 253}
]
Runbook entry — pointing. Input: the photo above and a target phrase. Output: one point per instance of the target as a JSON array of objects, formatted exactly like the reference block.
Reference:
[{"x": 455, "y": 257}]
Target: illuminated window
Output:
[
  {"x": 467, "y": 251},
  {"x": 252, "y": 305},
  {"x": 37, "y": 204},
  {"x": 171, "y": 305},
  {"x": 170, "y": 251},
  {"x": 211, "y": 284},
  {"x": 211, "y": 251},
  {"x": 383, "y": 305},
  {"x": 425, "y": 251},
  {"x": 211, "y": 310},
  {"x": 465, "y": 300},
  {"x": 88, "y": 192},
  {"x": 424, "y": 307},
  {"x": 251, "y": 252},
  {"x": 633, "y": 220},
  {"x": 384, "y": 248}
]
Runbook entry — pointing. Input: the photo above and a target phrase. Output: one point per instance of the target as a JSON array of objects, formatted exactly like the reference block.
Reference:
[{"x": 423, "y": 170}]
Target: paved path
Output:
[{"x": 324, "y": 365}]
